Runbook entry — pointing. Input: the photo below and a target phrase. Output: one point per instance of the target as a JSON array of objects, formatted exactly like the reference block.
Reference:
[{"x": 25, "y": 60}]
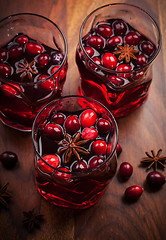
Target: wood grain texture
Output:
[{"x": 143, "y": 130}]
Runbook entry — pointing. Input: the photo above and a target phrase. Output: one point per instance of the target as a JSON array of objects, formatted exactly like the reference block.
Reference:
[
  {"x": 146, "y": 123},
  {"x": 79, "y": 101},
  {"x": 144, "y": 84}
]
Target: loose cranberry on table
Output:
[
  {"x": 104, "y": 30},
  {"x": 155, "y": 179},
  {"x": 99, "y": 147},
  {"x": 8, "y": 159},
  {"x": 72, "y": 124},
  {"x": 109, "y": 61},
  {"x": 52, "y": 160},
  {"x": 53, "y": 131},
  {"x": 88, "y": 118},
  {"x": 133, "y": 193},
  {"x": 11, "y": 90},
  {"x": 48, "y": 84},
  {"x": 89, "y": 133},
  {"x": 118, "y": 149},
  {"x": 125, "y": 170}
]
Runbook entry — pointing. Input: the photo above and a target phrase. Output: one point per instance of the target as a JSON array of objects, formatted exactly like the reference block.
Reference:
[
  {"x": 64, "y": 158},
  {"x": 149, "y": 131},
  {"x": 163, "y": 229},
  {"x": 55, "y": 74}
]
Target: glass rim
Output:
[
  {"x": 65, "y": 45},
  {"x": 88, "y": 170},
  {"x": 114, "y": 71}
]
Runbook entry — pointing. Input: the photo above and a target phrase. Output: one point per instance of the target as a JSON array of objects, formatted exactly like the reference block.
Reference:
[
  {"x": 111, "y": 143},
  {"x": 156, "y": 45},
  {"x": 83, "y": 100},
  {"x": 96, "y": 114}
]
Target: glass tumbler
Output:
[
  {"x": 74, "y": 154},
  {"x": 117, "y": 45},
  {"x": 33, "y": 66}
]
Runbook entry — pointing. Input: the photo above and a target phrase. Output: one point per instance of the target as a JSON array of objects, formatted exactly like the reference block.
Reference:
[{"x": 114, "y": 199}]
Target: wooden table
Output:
[{"x": 141, "y": 131}]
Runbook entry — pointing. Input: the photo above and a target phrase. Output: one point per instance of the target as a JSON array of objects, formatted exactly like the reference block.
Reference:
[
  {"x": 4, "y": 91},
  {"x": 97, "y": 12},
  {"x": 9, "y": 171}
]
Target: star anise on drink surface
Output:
[
  {"x": 154, "y": 159},
  {"x": 27, "y": 69},
  {"x": 126, "y": 52},
  {"x": 4, "y": 195},
  {"x": 32, "y": 220},
  {"x": 72, "y": 146}
]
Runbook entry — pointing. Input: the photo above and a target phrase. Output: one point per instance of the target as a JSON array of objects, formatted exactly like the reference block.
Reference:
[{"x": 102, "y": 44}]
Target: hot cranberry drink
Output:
[
  {"x": 113, "y": 59},
  {"x": 27, "y": 81},
  {"x": 76, "y": 162}
]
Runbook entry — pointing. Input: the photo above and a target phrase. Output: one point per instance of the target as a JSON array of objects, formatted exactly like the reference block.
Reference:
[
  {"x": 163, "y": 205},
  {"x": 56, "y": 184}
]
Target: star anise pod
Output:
[
  {"x": 26, "y": 68},
  {"x": 4, "y": 195},
  {"x": 32, "y": 220},
  {"x": 72, "y": 147},
  {"x": 154, "y": 159},
  {"x": 126, "y": 52}
]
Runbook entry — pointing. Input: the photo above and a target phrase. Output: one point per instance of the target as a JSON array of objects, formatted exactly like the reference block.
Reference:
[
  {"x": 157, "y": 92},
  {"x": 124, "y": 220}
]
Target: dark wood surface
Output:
[{"x": 143, "y": 130}]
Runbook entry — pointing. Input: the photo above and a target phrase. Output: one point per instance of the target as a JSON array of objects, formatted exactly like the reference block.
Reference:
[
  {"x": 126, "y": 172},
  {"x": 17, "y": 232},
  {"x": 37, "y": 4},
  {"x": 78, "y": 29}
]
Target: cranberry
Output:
[
  {"x": 57, "y": 58},
  {"x": 34, "y": 48},
  {"x": 53, "y": 131},
  {"x": 58, "y": 118},
  {"x": 62, "y": 176},
  {"x": 89, "y": 51},
  {"x": 97, "y": 61},
  {"x": 79, "y": 166},
  {"x": 43, "y": 59},
  {"x": 124, "y": 68},
  {"x": 103, "y": 126},
  {"x": 113, "y": 42},
  {"x": 10, "y": 91},
  {"x": 60, "y": 74},
  {"x": 89, "y": 133},
  {"x": 147, "y": 47},
  {"x": 52, "y": 160},
  {"x": 109, "y": 148},
  {"x": 138, "y": 75},
  {"x": 109, "y": 61},
  {"x": 99, "y": 147},
  {"x": 95, "y": 162},
  {"x": 8, "y": 159},
  {"x": 155, "y": 179},
  {"x": 119, "y": 27},
  {"x": 5, "y": 70},
  {"x": 141, "y": 60},
  {"x": 15, "y": 51},
  {"x": 88, "y": 118},
  {"x": 132, "y": 193},
  {"x": 104, "y": 30},
  {"x": 72, "y": 124},
  {"x": 95, "y": 42},
  {"x": 3, "y": 54},
  {"x": 132, "y": 38},
  {"x": 116, "y": 80},
  {"x": 48, "y": 84},
  {"x": 118, "y": 149},
  {"x": 125, "y": 170},
  {"x": 21, "y": 39}
]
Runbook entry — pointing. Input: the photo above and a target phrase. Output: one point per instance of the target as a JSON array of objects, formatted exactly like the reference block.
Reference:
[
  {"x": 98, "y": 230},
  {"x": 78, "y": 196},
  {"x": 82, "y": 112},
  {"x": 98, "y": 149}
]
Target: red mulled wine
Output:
[
  {"x": 27, "y": 79},
  {"x": 113, "y": 60}
]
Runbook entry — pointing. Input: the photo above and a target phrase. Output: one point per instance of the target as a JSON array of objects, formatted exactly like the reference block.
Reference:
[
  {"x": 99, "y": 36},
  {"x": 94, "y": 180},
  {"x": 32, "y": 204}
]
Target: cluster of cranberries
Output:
[{"x": 102, "y": 41}]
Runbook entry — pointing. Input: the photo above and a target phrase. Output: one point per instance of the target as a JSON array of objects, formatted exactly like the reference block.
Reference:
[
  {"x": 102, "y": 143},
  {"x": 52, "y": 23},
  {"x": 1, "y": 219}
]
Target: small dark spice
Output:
[
  {"x": 4, "y": 195},
  {"x": 32, "y": 220}
]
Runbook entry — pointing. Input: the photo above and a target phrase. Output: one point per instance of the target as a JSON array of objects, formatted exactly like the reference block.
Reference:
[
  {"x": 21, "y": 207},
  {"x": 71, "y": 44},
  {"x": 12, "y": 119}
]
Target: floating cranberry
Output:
[
  {"x": 95, "y": 42},
  {"x": 3, "y": 54},
  {"x": 119, "y": 27},
  {"x": 109, "y": 61},
  {"x": 118, "y": 149},
  {"x": 60, "y": 74},
  {"x": 95, "y": 162},
  {"x": 11, "y": 90},
  {"x": 104, "y": 30},
  {"x": 15, "y": 51},
  {"x": 53, "y": 131},
  {"x": 21, "y": 39},
  {"x": 88, "y": 118},
  {"x": 132, "y": 38},
  {"x": 89, "y": 51},
  {"x": 124, "y": 68},
  {"x": 125, "y": 170},
  {"x": 43, "y": 59},
  {"x": 103, "y": 126},
  {"x": 72, "y": 124},
  {"x": 97, "y": 61},
  {"x": 58, "y": 118},
  {"x": 147, "y": 47},
  {"x": 8, "y": 159},
  {"x": 138, "y": 75},
  {"x": 62, "y": 177},
  {"x": 132, "y": 193},
  {"x": 5, "y": 70},
  {"x": 99, "y": 147},
  {"x": 89, "y": 133},
  {"x": 116, "y": 80},
  {"x": 34, "y": 48},
  {"x": 113, "y": 42},
  {"x": 48, "y": 84},
  {"x": 155, "y": 179},
  {"x": 57, "y": 58},
  {"x": 142, "y": 60},
  {"x": 79, "y": 166},
  {"x": 52, "y": 160}
]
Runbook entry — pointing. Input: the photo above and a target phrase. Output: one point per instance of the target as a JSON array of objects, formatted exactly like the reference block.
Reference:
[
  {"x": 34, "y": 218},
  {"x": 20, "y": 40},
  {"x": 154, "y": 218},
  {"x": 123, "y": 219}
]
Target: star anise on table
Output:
[
  {"x": 154, "y": 159},
  {"x": 72, "y": 146},
  {"x": 32, "y": 219},
  {"x": 126, "y": 52},
  {"x": 27, "y": 69},
  {"x": 4, "y": 195}
]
